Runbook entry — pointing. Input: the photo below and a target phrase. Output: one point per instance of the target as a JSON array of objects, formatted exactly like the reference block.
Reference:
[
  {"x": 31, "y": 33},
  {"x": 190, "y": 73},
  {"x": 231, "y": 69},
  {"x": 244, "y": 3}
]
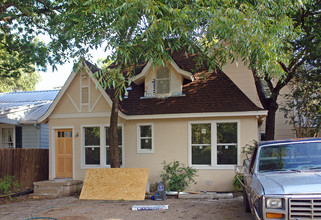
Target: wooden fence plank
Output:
[{"x": 27, "y": 165}]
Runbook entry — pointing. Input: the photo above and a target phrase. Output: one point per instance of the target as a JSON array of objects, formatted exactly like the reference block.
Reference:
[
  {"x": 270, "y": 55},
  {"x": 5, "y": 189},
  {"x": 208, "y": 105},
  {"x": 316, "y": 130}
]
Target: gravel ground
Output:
[{"x": 71, "y": 208}]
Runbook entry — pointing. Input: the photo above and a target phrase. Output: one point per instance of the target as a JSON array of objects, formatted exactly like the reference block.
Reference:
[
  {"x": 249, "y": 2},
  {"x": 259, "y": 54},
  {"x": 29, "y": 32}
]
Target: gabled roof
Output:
[
  {"x": 138, "y": 79},
  {"x": 91, "y": 69},
  {"x": 211, "y": 92},
  {"x": 25, "y": 107},
  {"x": 214, "y": 93}
]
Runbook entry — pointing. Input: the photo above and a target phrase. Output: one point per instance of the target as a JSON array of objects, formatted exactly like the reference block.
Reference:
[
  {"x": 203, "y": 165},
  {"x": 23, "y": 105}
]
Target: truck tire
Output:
[{"x": 246, "y": 201}]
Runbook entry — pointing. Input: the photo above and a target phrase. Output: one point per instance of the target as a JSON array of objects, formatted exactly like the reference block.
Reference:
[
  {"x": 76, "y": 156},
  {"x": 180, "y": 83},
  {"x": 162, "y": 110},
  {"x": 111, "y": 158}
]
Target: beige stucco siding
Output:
[
  {"x": 170, "y": 143},
  {"x": 171, "y": 137},
  {"x": 243, "y": 78}
]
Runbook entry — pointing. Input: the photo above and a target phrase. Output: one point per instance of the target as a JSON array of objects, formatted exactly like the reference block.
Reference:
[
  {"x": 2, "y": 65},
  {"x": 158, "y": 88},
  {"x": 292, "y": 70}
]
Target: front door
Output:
[{"x": 63, "y": 153}]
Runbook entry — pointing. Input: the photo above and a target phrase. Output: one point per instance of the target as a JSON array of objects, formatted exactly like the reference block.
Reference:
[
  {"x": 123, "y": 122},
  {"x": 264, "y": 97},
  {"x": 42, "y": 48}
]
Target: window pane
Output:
[
  {"x": 119, "y": 132},
  {"x": 162, "y": 72},
  {"x": 108, "y": 155},
  {"x": 92, "y": 136},
  {"x": 227, "y": 154},
  {"x": 226, "y": 133},
  {"x": 201, "y": 134},
  {"x": 146, "y": 144},
  {"x": 92, "y": 155},
  {"x": 7, "y": 137},
  {"x": 201, "y": 155},
  {"x": 163, "y": 86},
  {"x": 146, "y": 131}
]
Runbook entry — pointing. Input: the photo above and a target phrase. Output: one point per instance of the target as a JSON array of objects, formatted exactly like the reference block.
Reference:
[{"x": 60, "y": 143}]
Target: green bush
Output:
[
  {"x": 8, "y": 184},
  {"x": 177, "y": 176},
  {"x": 237, "y": 185}
]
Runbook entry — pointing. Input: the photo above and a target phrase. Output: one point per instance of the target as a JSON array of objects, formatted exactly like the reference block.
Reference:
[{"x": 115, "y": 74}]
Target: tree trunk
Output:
[
  {"x": 270, "y": 120},
  {"x": 113, "y": 135}
]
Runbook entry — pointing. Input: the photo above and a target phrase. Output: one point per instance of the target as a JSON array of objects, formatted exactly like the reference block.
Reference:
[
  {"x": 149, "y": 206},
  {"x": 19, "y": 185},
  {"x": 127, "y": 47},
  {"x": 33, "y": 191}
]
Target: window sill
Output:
[
  {"x": 145, "y": 151},
  {"x": 162, "y": 97},
  {"x": 217, "y": 167}
]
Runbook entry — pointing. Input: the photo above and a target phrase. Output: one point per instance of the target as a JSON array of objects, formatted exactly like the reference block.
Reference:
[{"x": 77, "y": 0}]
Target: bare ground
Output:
[{"x": 71, "y": 208}]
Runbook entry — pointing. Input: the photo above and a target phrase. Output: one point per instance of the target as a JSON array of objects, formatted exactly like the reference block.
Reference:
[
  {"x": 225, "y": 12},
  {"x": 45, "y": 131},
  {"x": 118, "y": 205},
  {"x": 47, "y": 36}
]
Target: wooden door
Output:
[{"x": 63, "y": 153}]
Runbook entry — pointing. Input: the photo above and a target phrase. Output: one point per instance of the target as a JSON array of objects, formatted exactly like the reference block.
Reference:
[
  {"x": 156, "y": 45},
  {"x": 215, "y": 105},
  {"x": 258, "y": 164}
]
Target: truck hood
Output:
[{"x": 290, "y": 182}]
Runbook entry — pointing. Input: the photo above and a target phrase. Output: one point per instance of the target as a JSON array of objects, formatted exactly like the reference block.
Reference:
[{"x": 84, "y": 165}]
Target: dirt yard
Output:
[{"x": 71, "y": 208}]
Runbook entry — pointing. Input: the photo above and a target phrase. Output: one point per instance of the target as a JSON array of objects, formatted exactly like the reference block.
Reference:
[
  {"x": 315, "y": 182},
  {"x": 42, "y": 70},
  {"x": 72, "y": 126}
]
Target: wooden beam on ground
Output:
[{"x": 115, "y": 184}]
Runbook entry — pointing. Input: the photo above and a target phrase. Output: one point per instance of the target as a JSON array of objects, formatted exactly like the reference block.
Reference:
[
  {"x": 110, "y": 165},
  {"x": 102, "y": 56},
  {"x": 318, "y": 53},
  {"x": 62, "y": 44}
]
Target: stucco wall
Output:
[
  {"x": 170, "y": 143},
  {"x": 171, "y": 137},
  {"x": 243, "y": 78}
]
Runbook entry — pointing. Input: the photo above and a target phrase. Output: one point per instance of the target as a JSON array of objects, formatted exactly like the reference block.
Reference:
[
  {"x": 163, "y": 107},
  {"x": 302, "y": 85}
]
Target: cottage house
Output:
[
  {"x": 171, "y": 113},
  {"x": 19, "y": 112}
]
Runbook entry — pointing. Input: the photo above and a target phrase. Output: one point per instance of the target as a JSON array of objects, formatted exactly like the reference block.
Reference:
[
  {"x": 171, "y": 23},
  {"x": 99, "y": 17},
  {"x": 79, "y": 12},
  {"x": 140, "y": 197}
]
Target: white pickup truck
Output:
[{"x": 282, "y": 180}]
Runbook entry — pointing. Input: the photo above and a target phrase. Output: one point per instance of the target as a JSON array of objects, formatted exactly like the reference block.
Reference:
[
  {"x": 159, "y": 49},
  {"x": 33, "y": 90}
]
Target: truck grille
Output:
[{"x": 305, "y": 209}]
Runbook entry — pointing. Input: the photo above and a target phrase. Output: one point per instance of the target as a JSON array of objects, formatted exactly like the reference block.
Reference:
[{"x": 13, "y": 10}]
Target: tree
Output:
[
  {"x": 262, "y": 33},
  {"x": 26, "y": 82},
  {"x": 275, "y": 38},
  {"x": 21, "y": 21},
  {"x": 302, "y": 107},
  {"x": 135, "y": 31}
]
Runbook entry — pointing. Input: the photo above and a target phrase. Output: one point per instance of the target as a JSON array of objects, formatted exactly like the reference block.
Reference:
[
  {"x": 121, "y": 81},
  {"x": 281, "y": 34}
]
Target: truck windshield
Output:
[{"x": 295, "y": 157}]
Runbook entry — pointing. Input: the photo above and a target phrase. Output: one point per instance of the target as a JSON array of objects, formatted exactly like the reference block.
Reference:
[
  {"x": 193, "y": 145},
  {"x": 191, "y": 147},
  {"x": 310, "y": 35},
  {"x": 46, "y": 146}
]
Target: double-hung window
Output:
[
  {"x": 96, "y": 146},
  {"x": 92, "y": 145},
  {"x": 213, "y": 144},
  {"x": 7, "y": 138},
  {"x": 120, "y": 143},
  {"x": 145, "y": 138},
  {"x": 201, "y": 144},
  {"x": 226, "y": 143},
  {"x": 162, "y": 80}
]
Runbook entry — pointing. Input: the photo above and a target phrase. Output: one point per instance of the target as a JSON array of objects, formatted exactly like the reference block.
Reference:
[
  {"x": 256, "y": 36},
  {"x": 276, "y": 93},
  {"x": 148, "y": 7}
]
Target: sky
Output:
[{"x": 56, "y": 79}]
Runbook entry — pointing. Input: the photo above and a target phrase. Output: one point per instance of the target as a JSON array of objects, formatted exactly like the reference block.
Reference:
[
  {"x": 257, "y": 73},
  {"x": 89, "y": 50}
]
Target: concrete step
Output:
[
  {"x": 48, "y": 190},
  {"x": 56, "y": 188},
  {"x": 44, "y": 196}
]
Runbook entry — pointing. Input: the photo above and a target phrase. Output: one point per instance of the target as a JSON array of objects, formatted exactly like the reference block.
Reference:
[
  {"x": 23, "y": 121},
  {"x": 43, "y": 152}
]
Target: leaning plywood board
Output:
[{"x": 115, "y": 184}]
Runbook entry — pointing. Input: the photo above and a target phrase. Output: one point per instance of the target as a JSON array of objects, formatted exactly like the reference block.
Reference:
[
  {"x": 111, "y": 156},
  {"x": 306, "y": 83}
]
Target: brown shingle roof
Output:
[{"x": 216, "y": 93}]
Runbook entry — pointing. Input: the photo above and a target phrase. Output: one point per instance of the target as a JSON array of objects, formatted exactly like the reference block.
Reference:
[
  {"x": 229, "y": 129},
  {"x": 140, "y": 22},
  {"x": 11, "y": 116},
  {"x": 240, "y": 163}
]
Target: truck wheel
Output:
[{"x": 246, "y": 201}]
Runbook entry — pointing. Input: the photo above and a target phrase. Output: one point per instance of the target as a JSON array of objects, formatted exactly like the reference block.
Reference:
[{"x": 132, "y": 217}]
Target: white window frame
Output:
[
  {"x": 139, "y": 149},
  {"x": 213, "y": 145},
  {"x": 102, "y": 146},
  {"x": 107, "y": 146},
  {"x": 13, "y": 137},
  {"x": 163, "y": 79}
]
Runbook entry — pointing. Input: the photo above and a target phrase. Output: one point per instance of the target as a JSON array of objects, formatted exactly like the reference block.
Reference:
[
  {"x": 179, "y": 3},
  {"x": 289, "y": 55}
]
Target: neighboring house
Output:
[
  {"x": 19, "y": 112},
  {"x": 169, "y": 114}
]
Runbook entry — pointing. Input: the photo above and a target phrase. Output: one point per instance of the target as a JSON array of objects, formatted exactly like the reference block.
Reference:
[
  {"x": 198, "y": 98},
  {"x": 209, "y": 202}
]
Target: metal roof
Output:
[{"x": 25, "y": 107}]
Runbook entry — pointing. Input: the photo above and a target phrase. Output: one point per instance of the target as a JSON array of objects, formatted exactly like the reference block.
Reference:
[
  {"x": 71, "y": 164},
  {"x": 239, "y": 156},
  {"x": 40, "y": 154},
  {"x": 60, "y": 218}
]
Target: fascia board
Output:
[
  {"x": 198, "y": 115},
  {"x": 138, "y": 79},
  {"x": 67, "y": 84}
]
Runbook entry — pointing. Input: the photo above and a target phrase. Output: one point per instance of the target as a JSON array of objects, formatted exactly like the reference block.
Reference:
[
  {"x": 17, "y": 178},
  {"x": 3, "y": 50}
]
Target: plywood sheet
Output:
[{"x": 115, "y": 184}]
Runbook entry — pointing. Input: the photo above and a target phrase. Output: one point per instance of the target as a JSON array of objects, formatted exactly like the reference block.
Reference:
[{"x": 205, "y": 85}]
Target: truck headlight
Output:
[{"x": 274, "y": 203}]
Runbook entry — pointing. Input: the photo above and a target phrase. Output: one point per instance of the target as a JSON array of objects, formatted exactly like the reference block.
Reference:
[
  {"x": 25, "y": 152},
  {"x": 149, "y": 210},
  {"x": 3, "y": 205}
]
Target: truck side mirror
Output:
[{"x": 240, "y": 170}]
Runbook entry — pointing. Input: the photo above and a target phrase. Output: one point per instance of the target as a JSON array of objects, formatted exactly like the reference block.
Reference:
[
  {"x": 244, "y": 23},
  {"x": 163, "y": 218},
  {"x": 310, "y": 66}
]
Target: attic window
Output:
[{"x": 162, "y": 80}]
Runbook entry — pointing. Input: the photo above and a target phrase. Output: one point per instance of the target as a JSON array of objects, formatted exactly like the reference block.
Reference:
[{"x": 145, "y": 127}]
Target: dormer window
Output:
[{"x": 162, "y": 81}]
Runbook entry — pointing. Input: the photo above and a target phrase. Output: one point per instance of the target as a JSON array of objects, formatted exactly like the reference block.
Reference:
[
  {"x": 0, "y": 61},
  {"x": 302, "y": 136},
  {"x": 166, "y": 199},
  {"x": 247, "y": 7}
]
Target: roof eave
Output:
[{"x": 259, "y": 113}]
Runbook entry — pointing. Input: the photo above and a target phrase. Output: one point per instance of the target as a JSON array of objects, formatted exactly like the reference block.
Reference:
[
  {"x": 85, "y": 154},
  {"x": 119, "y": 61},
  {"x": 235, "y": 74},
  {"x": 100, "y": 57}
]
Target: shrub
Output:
[
  {"x": 177, "y": 176},
  {"x": 8, "y": 184},
  {"x": 237, "y": 185}
]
